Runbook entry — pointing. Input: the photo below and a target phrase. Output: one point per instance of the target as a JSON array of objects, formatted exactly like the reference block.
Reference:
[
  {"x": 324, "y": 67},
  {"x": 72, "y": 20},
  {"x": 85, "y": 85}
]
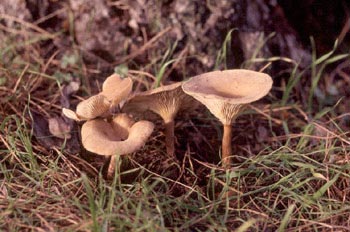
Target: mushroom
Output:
[
  {"x": 114, "y": 90},
  {"x": 166, "y": 101},
  {"x": 90, "y": 108},
  {"x": 225, "y": 94},
  {"x": 121, "y": 136}
]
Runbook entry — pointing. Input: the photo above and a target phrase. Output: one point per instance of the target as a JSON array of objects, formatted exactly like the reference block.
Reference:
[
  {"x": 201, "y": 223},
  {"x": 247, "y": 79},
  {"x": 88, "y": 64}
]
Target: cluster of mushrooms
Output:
[{"x": 224, "y": 93}]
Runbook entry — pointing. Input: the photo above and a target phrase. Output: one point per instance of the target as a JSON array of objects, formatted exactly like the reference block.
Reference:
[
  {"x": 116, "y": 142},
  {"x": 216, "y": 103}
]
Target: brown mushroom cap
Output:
[
  {"x": 224, "y": 93},
  {"x": 165, "y": 101},
  {"x": 116, "y": 89},
  {"x": 122, "y": 123},
  {"x": 101, "y": 137},
  {"x": 90, "y": 108},
  {"x": 93, "y": 107}
]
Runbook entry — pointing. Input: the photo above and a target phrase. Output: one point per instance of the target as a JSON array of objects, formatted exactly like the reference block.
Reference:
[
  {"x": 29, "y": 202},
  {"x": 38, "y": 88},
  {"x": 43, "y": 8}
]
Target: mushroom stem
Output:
[
  {"x": 226, "y": 146},
  {"x": 169, "y": 138},
  {"x": 111, "y": 168}
]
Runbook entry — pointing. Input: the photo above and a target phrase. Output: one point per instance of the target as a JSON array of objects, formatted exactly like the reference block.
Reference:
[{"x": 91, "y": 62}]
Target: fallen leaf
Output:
[
  {"x": 68, "y": 90},
  {"x": 59, "y": 128},
  {"x": 43, "y": 135},
  {"x": 262, "y": 134}
]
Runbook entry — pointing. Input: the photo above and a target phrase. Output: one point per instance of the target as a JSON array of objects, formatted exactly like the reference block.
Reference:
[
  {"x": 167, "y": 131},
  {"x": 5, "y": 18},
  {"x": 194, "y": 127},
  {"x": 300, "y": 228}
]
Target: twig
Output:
[
  {"x": 20, "y": 78},
  {"x": 332, "y": 133},
  {"x": 144, "y": 47},
  {"x": 27, "y": 24},
  {"x": 277, "y": 121},
  {"x": 51, "y": 15}
]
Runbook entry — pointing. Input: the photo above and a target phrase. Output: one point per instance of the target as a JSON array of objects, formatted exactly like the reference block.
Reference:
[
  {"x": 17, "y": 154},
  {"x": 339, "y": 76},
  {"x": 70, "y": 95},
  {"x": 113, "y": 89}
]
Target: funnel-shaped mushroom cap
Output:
[
  {"x": 90, "y": 108},
  {"x": 103, "y": 138},
  {"x": 122, "y": 123},
  {"x": 115, "y": 88},
  {"x": 225, "y": 92},
  {"x": 165, "y": 101}
]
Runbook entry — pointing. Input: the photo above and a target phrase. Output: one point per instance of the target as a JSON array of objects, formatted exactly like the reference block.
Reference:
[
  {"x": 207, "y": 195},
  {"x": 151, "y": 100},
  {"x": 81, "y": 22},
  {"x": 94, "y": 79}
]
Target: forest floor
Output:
[{"x": 291, "y": 168}]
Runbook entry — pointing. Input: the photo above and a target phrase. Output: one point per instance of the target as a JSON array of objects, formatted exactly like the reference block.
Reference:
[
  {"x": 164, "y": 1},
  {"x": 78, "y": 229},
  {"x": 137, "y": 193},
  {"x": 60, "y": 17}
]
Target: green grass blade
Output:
[
  {"x": 319, "y": 193},
  {"x": 286, "y": 218},
  {"x": 222, "y": 54},
  {"x": 246, "y": 225},
  {"x": 161, "y": 72},
  {"x": 92, "y": 204}
]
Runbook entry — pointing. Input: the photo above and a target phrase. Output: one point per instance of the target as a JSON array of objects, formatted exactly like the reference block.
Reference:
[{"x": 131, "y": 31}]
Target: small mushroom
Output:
[
  {"x": 114, "y": 90},
  {"x": 225, "y": 93},
  {"x": 90, "y": 108},
  {"x": 121, "y": 136},
  {"x": 166, "y": 101}
]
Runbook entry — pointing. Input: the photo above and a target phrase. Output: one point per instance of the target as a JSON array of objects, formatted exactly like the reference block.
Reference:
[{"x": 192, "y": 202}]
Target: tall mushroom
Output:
[
  {"x": 166, "y": 101},
  {"x": 225, "y": 93},
  {"x": 119, "y": 137},
  {"x": 114, "y": 90}
]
